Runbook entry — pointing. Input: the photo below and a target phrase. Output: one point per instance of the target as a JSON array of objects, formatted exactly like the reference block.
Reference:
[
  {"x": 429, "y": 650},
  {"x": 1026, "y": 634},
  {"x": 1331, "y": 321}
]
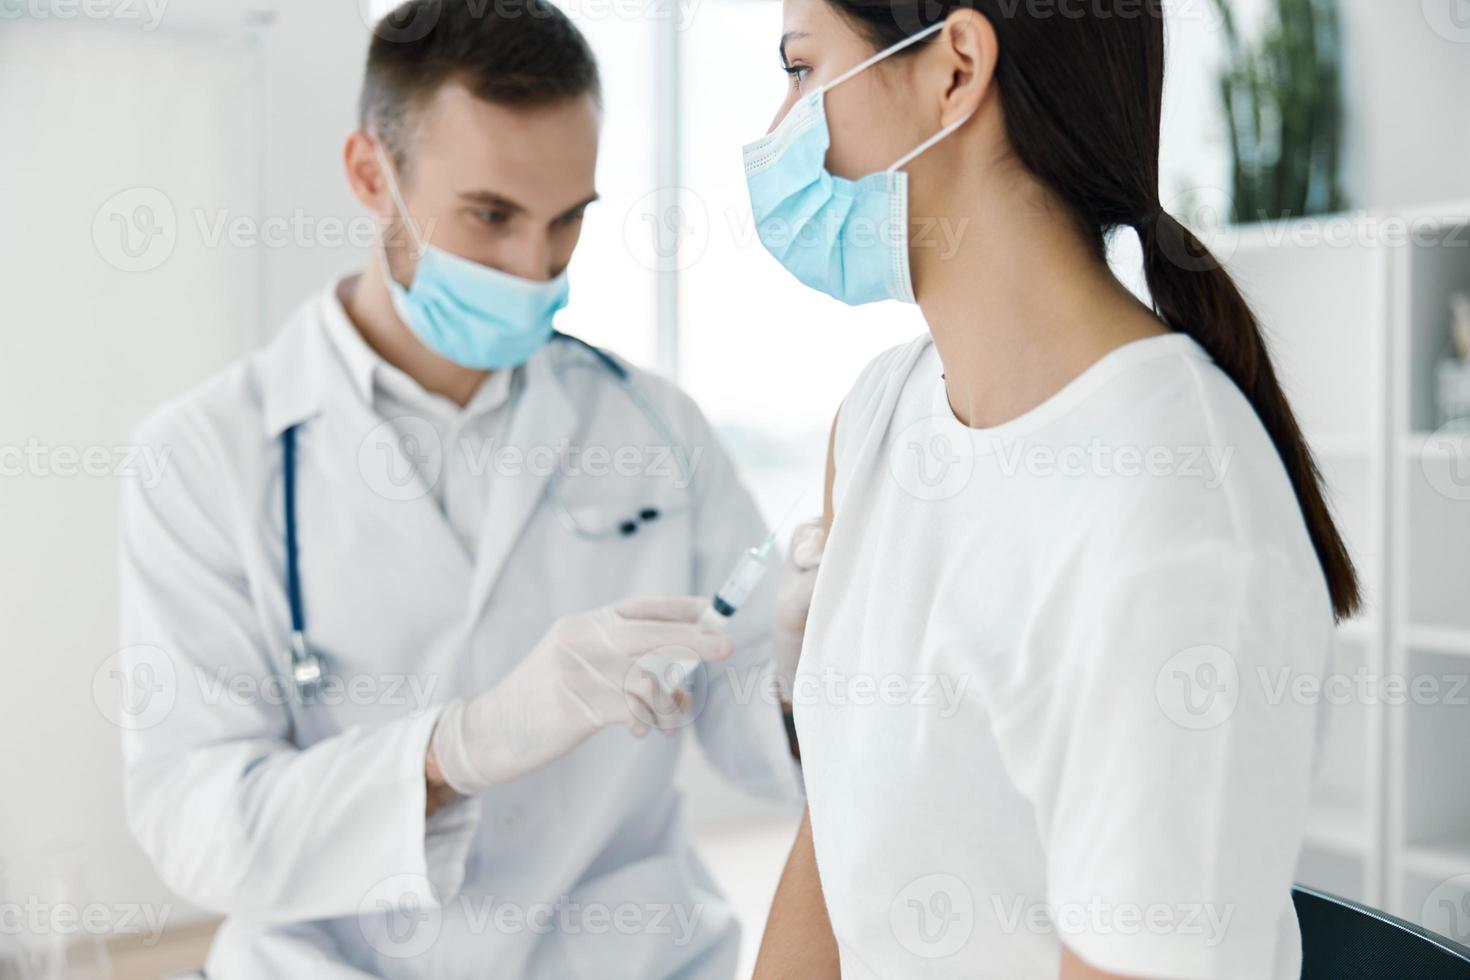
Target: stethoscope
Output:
[{"x": 306, "y": 666}]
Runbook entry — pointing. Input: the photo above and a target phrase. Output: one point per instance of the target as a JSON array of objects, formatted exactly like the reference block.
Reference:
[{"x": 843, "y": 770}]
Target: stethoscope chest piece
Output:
[{"x": 306, "y": 666}]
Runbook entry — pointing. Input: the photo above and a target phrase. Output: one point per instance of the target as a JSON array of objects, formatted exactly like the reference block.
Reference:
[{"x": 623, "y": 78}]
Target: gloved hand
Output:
[
  {"x": 581, "y": 677},
  {"x": 794, "y": 597}
]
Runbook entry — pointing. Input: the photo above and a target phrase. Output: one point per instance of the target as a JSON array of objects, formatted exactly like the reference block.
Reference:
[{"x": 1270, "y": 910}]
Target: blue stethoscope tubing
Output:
[
  {"x": 634, "y": 522},
  {"x": 608, "y": 361},
  {"x": 306, "y": 665}
]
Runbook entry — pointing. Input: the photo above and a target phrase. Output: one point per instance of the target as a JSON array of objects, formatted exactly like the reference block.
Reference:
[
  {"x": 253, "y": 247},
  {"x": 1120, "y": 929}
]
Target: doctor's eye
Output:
[
  {"x": 491, "y": 216},
  {"x": 571, "y": 217}
]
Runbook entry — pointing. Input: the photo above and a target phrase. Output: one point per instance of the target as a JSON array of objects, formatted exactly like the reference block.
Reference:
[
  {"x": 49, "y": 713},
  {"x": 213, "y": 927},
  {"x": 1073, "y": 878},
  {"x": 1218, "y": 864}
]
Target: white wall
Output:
[
  {"x": 108, "y": 305},
  {"x": 1409, "y": 142}
]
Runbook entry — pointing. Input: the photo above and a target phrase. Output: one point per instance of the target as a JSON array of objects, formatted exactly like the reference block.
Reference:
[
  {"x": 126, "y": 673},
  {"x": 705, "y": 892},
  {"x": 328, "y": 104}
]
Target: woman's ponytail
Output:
[{"x": 1194, "y": 295}]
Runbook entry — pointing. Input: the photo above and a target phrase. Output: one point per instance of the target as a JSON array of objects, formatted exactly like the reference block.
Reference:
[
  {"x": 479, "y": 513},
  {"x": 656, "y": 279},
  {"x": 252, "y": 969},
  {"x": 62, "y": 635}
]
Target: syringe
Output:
[
  {"x": 739, "y": 584},
  {"x": 677, "y": 672}
]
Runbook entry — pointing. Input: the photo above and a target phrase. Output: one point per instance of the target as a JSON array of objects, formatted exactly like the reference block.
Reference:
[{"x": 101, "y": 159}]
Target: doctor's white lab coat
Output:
[{"x": 304, "y": 823}]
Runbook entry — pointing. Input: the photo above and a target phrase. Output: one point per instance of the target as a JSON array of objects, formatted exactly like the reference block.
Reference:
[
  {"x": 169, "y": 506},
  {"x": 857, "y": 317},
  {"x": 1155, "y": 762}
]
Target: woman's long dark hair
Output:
[{"x": 1081, "y": 83}]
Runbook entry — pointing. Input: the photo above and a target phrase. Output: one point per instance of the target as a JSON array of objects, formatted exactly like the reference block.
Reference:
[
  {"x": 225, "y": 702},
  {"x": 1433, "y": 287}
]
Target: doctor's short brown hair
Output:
[{"x": 519, "y": 53}]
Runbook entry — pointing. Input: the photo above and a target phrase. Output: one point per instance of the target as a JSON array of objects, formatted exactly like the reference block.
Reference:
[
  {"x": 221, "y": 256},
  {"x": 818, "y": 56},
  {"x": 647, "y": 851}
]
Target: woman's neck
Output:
[{"x": 1019, "y": 303}]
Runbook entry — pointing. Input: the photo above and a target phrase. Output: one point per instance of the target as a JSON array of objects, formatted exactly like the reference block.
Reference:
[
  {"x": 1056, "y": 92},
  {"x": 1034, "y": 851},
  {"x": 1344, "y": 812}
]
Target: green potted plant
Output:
[{"x": 1282, "y": 97}]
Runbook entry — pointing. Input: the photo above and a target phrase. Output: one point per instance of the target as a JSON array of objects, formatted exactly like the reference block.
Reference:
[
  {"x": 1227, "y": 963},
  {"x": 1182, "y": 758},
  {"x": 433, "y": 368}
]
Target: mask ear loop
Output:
[
  {"x": 870, "y": 62},
  {"x": 873, "y": 60},
  {"x": 908, "y": 157},
  {"x": 398, "y": 202}
]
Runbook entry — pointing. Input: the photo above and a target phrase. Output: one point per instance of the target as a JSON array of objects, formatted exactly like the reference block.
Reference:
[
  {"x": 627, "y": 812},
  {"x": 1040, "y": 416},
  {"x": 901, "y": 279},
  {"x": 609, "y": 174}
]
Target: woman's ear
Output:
[{"x": 966, "y": 51}]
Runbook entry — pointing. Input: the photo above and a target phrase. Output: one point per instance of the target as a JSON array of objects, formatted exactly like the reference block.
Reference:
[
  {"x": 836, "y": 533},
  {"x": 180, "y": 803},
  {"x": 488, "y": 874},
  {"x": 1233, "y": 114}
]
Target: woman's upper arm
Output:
[
  {"x": 798, "y": 940},
  {"x": 1075, "y": 968}
]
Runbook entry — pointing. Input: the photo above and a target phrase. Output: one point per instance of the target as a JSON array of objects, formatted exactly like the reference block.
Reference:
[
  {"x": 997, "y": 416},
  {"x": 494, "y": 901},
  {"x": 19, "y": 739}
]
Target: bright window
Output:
[{"x": 767, "y": 358}]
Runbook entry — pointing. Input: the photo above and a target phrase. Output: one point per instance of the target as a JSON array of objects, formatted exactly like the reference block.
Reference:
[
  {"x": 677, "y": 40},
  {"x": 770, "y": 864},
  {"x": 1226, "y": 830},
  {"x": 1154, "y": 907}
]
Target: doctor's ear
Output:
[
  {"x": 965, "y": 53},
  {"x": 365, "y": 174}
]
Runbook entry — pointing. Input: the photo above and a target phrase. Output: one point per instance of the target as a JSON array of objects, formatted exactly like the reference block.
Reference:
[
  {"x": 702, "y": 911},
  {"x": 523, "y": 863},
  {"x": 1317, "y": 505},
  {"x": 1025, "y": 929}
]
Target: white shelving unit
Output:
[
  {"x": 1357, "y": 325},
  {"x": 1428, "y": 839}
]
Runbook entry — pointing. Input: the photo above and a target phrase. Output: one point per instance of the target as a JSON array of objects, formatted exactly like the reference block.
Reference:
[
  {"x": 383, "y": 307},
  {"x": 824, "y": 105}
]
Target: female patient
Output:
[{"x": 1078, "y": 552}]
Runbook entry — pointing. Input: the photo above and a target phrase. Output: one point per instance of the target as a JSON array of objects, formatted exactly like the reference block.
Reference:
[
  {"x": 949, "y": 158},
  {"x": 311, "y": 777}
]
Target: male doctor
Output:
[{"x": 480, "y": 783}]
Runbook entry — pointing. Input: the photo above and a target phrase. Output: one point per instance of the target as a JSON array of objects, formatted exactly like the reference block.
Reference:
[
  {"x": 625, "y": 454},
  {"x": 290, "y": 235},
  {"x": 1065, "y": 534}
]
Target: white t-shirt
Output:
[{"x": 1046, "y": 695}]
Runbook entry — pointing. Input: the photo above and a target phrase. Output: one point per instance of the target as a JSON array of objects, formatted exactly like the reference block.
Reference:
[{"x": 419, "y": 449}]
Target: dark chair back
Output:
[{"x": 1342, "y": 940}]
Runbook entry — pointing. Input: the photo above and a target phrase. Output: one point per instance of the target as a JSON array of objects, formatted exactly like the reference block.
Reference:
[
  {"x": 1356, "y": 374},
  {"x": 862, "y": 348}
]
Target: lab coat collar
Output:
[
  {"x": 319, "y": 339},
  {"x": 301, "y": 371},
  {"x": 304, "y": 379},
  {"x": 297, "y": 367},
  {"x": 372, "y": 375},
  {"x": 360, "y": 360},
  {"x": 545, "y": 415}
]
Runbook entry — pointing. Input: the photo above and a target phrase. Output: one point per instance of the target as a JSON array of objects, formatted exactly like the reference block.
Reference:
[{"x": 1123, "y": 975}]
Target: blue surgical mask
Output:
[
  {"x": 846, "y": 238},
  {"x": 469, "y": 313}
]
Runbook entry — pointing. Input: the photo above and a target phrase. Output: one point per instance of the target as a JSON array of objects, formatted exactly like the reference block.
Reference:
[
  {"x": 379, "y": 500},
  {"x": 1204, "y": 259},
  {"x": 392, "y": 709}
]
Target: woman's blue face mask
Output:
[
  {"x": 469, "y": 313},
  {"x": 846, "y": 238}
]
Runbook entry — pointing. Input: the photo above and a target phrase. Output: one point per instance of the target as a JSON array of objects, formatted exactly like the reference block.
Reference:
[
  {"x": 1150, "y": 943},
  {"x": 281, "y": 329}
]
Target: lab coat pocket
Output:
[{"x": 656, "y": 918}]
